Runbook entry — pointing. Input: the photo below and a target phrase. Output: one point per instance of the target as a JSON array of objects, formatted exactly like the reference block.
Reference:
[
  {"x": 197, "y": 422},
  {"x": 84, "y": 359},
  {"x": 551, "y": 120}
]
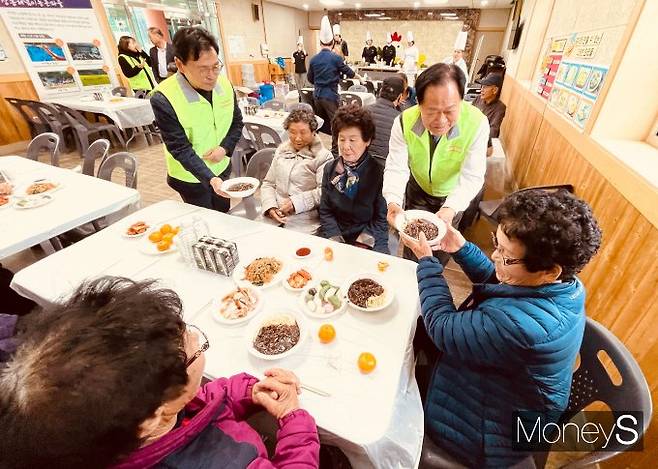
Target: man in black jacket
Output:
[
  {"x": 384, "y": 112},
  {"x": 162, "y": 55}
]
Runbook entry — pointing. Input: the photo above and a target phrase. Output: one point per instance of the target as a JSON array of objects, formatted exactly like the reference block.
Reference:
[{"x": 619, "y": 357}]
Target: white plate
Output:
[
  {"x": 388, "y": 291},
  {"x": 147, "y": 247},
  {"x": 254, "y": 327},
  {"x": 33, "y": 201},
  {"x": 9, "y": 203},
  {"x": 409, "y": 215},
  {"x": 308, "y": 256},
  {"x": 217, "y": 303},
  {"x": 314, "y": 314},
  {"x": 22, "y": 191},
  {"x": 240, "y": 194},
  {"x": 238, "y": 273},
  {"x": 292, "y": 269},
  {"x": 124, "y": 231}
]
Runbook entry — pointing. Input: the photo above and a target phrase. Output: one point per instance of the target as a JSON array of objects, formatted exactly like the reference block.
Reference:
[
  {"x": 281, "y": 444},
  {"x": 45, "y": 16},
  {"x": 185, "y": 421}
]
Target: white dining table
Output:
[
  {"x": 376, "y": 418},
  {"x": 125, "y": 112},
  {"x": 78, "y": 200},
  {"x": 366, "y": 98}
]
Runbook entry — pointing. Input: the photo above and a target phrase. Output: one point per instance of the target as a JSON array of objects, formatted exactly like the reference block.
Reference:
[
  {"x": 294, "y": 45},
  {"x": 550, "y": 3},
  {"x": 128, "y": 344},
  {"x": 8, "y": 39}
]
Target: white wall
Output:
[{"x": 282, "y": 27}]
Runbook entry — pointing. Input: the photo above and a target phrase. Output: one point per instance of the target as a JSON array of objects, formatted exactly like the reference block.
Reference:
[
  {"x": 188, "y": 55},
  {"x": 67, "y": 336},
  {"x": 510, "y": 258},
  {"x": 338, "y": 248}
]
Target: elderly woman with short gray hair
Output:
[{"x": 290, "y": 192}]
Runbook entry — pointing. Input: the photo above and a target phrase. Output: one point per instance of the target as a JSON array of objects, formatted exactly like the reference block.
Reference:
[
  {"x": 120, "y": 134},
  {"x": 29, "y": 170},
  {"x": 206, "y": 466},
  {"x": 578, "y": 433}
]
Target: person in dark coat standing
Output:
[
  {"x": 162, "y": 55},
  {"x": 384, "y": 112},
  {"x": 324, "y": 71},
  {"x": 388, "y": 52},
  {"x": 352, "y": 208},
  {"x": 338, "y": 40},
  {"x": 512, "y": 345},
  {"x": 369, "y": 53}
]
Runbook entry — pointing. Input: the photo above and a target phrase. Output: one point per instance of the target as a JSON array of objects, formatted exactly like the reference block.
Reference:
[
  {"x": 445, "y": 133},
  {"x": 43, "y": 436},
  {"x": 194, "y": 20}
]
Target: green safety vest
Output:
[
  {"x": 141, "y": 80},
  {"x": 205, "y": 125},
  {"x": 441, "y": 178}
]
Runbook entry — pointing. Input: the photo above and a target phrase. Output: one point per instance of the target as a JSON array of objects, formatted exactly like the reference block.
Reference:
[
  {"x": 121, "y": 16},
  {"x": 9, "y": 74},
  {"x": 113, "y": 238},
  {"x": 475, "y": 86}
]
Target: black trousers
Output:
[
  {"x": 327, "y": 109},
  {"x": 201, "y": 195}
]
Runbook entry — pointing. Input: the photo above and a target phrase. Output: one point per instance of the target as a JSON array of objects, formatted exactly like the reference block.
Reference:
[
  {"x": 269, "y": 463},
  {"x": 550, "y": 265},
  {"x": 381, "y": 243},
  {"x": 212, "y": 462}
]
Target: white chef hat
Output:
[
  {"x": 368, "y": 36},
  {"x": 336, "y": 29},
  {"x": 388, "y": 38},
  {"x": 325, "y": 31},
  {"x": 460, "y": 42},
  {"x": 410, "y": 36},
  {"x": 300, "y": 40}
]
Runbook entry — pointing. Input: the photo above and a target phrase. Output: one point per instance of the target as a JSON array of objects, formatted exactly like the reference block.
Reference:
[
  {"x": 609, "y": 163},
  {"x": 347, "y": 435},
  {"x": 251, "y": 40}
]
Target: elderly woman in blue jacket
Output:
[{"x": 512, "y": 345}]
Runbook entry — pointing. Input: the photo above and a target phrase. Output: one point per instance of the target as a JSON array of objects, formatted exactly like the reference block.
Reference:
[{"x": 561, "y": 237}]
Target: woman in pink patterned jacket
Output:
[{"x": 111, "y": 378}]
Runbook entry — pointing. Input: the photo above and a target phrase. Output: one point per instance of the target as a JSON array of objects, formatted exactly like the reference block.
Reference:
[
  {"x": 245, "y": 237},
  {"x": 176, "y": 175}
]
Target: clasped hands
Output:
[
  {"x": 277, "y": 393},
  {"x": 279, "y": 214}
]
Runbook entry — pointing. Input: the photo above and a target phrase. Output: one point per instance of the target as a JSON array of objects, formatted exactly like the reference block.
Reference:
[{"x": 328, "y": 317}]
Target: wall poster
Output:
[{"x": 60, "y": 44}]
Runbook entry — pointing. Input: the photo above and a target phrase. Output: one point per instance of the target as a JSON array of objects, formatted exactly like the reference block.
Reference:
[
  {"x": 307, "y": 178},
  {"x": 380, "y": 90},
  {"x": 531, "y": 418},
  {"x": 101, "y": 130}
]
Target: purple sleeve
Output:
[
  {"x": 238, "y": 393},
  {"x": 298, "y": 444}
]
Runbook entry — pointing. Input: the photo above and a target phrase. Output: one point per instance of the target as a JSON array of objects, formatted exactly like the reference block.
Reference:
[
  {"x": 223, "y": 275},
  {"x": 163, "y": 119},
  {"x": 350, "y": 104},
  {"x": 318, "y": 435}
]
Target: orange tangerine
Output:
[
  {"x": 163, "y": 245},
  {"x": 169, "y": 237},
  {"x": 367, "y": 362},
  {"x": 155, "y": 237},
  {"x": 166, "y": 228},
  {"x": 326, "y": 333},
  {"x": 176, "y": 230}
]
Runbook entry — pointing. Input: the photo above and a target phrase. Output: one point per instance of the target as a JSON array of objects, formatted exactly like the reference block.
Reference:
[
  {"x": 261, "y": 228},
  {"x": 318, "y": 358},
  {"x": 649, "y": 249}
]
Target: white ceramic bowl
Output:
[
  {"x": 402, "y": 218},
  {"x": 217, "y": 304},
  {"x": 238, "y": 273},
  {"x": 292, "y": 269},
  {"x": 321, "y": 315},
  {"x": 33, "y": 201},
  {"x": 388, "y": 291},
  {"x": 8, "y": 204},
  {"x": 254, "y": 327},
  {"x": 240, "y": 194}
]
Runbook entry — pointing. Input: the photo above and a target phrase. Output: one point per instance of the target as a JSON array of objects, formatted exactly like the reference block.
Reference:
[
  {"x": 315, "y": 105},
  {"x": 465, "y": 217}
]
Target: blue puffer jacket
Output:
[{"x": 513, "y": 348}]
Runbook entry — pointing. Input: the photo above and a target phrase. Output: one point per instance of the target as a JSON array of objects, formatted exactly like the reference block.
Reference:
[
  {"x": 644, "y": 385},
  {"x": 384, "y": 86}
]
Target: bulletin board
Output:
[
  {"x": 570, "y": 77},
  {"x": 60, "y": 44}
]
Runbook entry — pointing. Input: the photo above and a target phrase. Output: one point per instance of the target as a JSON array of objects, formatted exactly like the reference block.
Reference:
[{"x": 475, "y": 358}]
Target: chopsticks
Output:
[{"x": 317, "y": 391}]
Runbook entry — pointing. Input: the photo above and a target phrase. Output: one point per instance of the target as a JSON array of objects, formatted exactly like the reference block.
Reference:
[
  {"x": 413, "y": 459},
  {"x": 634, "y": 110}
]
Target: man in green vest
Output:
[
  {"x": 199, "y": 119},
  {"x": 437, "y": 150}
]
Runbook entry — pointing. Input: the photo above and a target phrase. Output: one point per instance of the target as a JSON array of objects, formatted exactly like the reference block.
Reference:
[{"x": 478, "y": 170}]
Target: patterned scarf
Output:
[{"x": 346, "y": 176}]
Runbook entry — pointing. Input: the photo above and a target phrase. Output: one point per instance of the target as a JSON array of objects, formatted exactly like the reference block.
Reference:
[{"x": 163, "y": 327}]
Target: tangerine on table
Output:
[
  {"x": 166, "y": 228},
  {"x": 326, "y": 333},
  {"x": 176, "y": 230},
  {"x": 367, "y": 362},
  {"x": 168, "y": 237},
  {"x": 163, "y": 245},
  {"x": 155, "y": 237}
]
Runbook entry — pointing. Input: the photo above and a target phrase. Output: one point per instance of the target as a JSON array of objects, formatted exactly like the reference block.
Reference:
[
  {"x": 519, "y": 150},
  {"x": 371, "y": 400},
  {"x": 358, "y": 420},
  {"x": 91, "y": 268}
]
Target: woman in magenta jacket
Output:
[{"x": 112, "y": 378}]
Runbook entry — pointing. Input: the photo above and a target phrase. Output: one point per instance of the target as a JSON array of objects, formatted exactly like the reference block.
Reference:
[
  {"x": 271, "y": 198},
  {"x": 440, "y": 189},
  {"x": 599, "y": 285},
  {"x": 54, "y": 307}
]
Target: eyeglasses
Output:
[
  {"x": 208, "y": 70},
  {"x": 205, "y": 345},
  {"x": 506, "y": 260}
]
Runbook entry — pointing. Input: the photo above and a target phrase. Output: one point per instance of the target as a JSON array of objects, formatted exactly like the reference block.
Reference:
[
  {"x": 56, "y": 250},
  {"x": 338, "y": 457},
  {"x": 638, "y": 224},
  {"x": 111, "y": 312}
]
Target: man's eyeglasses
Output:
[
  {"x": 203, "y": 340},
  {"x": 506, "y": 260},
  {"x": 214, "y": 69}
]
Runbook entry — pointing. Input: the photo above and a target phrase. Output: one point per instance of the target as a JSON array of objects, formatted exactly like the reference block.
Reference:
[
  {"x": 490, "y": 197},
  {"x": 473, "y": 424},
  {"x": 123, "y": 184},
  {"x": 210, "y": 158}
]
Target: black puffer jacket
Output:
[{"x": 384, "y": 113}]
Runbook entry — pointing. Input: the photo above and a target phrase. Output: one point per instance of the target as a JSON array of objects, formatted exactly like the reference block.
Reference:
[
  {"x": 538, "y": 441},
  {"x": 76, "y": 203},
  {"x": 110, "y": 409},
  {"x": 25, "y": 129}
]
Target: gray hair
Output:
[{"x": 301, "y": 115}]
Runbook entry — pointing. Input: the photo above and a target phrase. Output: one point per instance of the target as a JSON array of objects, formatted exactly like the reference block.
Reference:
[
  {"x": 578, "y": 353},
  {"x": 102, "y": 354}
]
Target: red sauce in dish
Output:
[{"x": 301, "y": 252}]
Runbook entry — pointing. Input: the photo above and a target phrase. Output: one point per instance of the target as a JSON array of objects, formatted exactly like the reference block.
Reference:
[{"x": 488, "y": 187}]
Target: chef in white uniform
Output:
[
  {"x": 457, "y": 56},
  {"x": 410, "y": 59}
]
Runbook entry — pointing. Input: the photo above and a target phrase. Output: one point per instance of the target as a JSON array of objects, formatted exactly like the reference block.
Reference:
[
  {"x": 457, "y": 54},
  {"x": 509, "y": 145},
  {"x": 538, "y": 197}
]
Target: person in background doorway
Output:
[
  {"x": 410, "y": 59},
  {"x": 491, "y": 106},
  {"x": 324, "y": 71},
  {"x": 299, "y": 58},
  {"x": 384, "y": 112},
  {"x": 338, "y": 39},
  {"x": 408, "y": 98},
  {"x": 457, "y": 56},
  {"x": 200, "y": 121},
  {"x": 388, "y": 52},
  {"x": 162, "y": 55},
  {"x": 369, "y": 53},
  {"x": 136, "y": 65}
]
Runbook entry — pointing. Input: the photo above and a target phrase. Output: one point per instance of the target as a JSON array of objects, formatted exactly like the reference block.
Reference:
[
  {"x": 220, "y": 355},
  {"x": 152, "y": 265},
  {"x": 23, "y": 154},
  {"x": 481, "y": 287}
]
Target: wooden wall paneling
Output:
[{"x": 15, "y": 129}]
